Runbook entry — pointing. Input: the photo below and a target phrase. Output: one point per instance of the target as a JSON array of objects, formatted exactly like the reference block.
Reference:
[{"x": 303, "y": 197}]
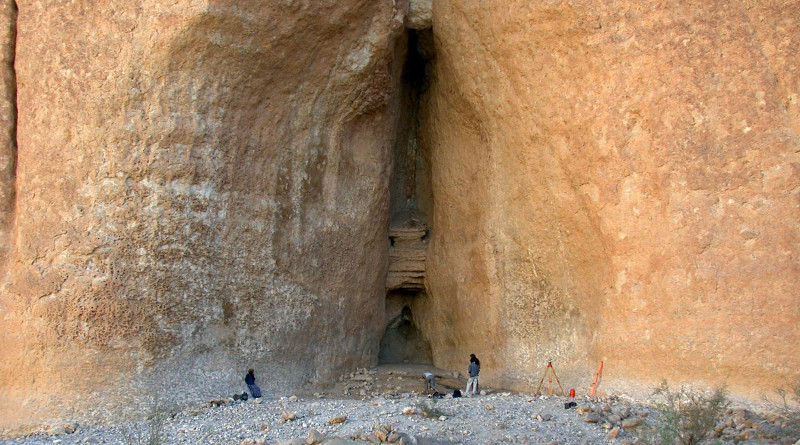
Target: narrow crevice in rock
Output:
[
  {"x": 411, "y": 208},
  {"x": 410, "y": 190},
  {"x": 8, "y": 136}
]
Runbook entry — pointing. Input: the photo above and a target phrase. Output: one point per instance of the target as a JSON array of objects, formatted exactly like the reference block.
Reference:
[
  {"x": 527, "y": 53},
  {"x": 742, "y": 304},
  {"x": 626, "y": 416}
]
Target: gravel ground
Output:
[
  {"x": 385, "y": 405},
  {"x": 495, "y": 418}
]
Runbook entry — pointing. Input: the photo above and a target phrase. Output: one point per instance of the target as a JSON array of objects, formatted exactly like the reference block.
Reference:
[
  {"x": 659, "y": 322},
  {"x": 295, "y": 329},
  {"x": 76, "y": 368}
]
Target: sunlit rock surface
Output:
[
  {"x": 201, "y": 188},
  {"x": 615, "y": 181}
]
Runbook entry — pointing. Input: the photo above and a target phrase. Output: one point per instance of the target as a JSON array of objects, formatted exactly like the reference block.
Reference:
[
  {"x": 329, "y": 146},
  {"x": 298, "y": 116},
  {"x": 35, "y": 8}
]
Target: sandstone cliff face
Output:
[
  {"x": 616, "y": 181},
  {"x": 191, "y": 189},
  {"x": 201, "y": 188}
]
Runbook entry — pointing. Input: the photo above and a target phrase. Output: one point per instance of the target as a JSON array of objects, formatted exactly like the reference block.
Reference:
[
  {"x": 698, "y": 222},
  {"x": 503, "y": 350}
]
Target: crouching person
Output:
[
  {"x": 250, "y": 379},
  {"x": 430, "y": 382}
]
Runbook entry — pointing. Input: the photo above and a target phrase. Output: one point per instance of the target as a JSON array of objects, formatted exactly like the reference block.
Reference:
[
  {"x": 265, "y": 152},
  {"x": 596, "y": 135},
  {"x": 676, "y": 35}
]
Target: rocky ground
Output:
[{"x": 386, "y": 405}]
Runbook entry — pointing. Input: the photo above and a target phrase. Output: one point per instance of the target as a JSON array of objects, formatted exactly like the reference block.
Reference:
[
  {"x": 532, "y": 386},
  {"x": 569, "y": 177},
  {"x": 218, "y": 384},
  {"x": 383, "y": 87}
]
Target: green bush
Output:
[{"x": 688, "y": 416}]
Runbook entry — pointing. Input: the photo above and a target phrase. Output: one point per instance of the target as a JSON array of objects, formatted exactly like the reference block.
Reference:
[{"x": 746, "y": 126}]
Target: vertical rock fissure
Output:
[
  {"x": 410, "y": 207},
  {"x": 410, "y": 190},
  {"x": 8, "y": 117}
]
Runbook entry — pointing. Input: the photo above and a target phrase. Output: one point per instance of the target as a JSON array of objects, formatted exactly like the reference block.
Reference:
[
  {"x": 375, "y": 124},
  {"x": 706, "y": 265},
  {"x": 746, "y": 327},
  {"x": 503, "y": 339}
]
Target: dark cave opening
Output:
[{"x": 402, "y": 341}]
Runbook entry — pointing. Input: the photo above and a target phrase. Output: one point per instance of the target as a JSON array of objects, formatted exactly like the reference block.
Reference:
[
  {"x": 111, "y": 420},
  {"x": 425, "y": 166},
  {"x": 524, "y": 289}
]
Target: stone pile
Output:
[
  {"x": 361, "y": 383},
  {"x": 612, "y": 415},
  {"x": 632, "y": 423},
  {"x": 740, "y": 424}
]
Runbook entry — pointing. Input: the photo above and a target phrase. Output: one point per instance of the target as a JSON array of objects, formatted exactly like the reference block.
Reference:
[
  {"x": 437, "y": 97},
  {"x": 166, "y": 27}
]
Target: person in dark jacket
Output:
[
  {"x": 473, "y": 369},
  {"x": 250, "y": 379}
]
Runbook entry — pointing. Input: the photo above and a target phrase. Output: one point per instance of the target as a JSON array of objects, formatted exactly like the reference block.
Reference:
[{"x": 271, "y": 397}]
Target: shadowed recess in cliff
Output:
[
  {"x": 411, "y": 209},
  {"x": 8, "y": 129}
]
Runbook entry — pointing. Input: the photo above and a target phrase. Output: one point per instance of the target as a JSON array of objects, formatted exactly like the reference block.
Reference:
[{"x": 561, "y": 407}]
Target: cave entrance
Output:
[{"x": 402, "y": 341}]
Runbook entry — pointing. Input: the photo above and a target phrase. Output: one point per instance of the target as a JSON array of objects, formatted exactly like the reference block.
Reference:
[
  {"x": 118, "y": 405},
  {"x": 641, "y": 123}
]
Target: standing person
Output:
[
  {"x": 430, "y": 381},
  {"x": 473, "y": 369},
  {"x": 472, "y": 358},
  {"x": 250, "y": 379}
]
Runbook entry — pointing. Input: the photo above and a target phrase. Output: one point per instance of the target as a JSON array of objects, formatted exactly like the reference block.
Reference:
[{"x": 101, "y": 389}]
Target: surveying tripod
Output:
[{"x": 549, "y": 370}]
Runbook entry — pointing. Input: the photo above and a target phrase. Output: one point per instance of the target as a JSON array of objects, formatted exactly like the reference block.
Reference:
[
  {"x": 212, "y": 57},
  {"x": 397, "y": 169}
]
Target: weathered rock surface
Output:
[
  {"x": 407, "y": 259},
  {"x": 8, "y": 124},
  {"x": 201, "y": 188},
  {"x": 616, "y": 181},
  {"x": 192, "y": 188}
]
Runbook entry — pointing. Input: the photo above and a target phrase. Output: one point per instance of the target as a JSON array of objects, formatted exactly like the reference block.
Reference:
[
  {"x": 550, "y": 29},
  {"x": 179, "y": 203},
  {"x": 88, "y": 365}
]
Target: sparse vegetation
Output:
[
  {"x": 788, "y": 407},
  {"x": 429, "y": 409},
  {"x": 688, "y": 416},
  {"x": 149, "y": 431}
]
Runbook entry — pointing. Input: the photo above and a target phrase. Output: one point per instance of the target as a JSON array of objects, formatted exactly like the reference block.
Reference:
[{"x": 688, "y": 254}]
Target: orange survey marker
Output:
[{"x": 596, "y": 379}]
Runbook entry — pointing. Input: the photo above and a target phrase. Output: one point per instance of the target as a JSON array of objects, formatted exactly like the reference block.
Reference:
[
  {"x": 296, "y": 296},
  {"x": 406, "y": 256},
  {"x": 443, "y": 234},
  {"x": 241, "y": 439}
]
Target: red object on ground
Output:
[{"x": 572, "y": 393}]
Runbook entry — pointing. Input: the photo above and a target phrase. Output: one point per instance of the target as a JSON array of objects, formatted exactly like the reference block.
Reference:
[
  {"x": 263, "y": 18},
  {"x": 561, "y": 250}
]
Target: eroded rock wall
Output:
[
  {"x": 202, "y": 187},
  {"x": 616, "y": 181},
  {"x": 8, "y": 126}
]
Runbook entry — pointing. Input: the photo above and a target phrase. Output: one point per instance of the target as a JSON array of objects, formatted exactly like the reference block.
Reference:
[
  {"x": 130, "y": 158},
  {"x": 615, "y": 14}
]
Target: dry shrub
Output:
[
  {"x": 788, "y": 407},
  {"x": 688, "y": 416}
]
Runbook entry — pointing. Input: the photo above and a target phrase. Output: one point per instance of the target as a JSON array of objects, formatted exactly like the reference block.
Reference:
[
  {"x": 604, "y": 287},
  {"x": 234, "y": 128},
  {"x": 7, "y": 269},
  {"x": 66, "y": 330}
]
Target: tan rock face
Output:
[
  {"x": 615, "y": 182},
  {"x": 189, "y": 189},
  {"x": 202, "y": 187}
]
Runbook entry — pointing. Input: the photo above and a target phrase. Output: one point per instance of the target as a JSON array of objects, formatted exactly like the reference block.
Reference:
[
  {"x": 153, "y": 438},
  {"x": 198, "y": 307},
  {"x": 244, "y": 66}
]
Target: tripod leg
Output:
[
  {"x": 559, "y": 382},
  {"x": 540, "y": 383}
]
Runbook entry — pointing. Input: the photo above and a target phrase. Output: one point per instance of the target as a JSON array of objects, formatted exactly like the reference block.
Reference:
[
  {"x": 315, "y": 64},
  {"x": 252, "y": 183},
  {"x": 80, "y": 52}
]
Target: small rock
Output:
[
  {"x": 314, "y": 437},
  {"x": 591, "y": 418},
  {"x": 288, "y": 415},
  {"x": 382, "y": 435},
  {"x": 630, "y": 424},
  {"x": 490, "y": 407},
  {"x": 372, "y": 439},
  {"x": 292, "y": 398},
  {"x": 265, "y": 427},
  {"x": 442, "y": 418},
  {"x": 409, "y": 411},
  {"x": 337, "y": 420},
  {"x": 613, "y": 433}
]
